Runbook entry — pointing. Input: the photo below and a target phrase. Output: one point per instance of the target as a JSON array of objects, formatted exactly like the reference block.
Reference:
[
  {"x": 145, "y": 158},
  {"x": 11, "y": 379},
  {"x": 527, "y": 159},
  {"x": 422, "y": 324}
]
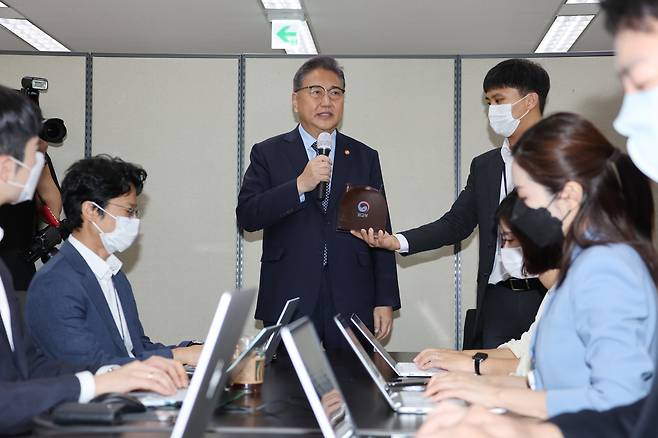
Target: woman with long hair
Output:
[{"x": 595, "y": 345}]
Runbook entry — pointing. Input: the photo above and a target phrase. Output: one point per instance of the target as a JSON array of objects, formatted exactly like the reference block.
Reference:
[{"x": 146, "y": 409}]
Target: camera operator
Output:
[{"x": 24, "y": 243}]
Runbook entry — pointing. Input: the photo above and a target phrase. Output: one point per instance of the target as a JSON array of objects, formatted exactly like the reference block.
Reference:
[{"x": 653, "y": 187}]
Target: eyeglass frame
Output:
[
  {"x": 132, "y": 211},
  {"x": 325, "y": 91}
]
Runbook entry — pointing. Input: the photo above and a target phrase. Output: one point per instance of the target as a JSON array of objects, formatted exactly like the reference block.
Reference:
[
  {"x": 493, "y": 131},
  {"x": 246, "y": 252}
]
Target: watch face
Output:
[{"x": 480, "y": 356}]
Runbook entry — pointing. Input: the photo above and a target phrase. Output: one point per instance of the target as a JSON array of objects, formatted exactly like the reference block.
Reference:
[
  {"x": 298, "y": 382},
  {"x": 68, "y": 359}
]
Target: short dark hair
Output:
[
  {"x": 535, "y": 260},
  {"x": 523, "y": 75},
  {"x": 630, "y": 14},
  {"x": 98, "y": 179},
  {"x": 20, "y": 120},
  {"x": 318, "y": 63}
]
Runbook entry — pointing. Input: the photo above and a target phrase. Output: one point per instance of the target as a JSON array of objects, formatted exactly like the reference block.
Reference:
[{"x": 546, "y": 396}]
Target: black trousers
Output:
[
  {"x": 507, "y": 313},
  {"x": 323, "y": 317}
]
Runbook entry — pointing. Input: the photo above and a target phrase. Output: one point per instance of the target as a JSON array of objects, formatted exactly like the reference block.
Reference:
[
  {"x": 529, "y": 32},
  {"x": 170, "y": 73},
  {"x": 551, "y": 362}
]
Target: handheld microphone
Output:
[{"x": 324, "y": 148}]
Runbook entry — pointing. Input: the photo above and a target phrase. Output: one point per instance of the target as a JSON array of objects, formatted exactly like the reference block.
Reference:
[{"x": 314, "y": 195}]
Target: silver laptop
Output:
[
  {"x": 317, "y": 379},
  {"x": 210, "y": 376},
  {"x": 402, "y": 369},
  {"x": 403, "y": 402},
  {"x": 284, "y": 318}
]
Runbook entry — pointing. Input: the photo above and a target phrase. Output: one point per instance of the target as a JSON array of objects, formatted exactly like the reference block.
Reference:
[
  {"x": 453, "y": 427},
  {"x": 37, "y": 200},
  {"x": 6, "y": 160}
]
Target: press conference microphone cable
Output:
[{"x": 324, "y": 148}]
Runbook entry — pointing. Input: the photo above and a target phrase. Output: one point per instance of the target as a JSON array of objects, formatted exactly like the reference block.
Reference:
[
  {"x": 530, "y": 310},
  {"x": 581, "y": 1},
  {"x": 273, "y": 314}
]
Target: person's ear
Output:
[
  {"x": 294, "y": 102},
  {"x": 571, "y": 195},
  {"x": 7, "y": 168},
  {"x": 532, "y": 101},
  {"x": 89, "y": 211}
]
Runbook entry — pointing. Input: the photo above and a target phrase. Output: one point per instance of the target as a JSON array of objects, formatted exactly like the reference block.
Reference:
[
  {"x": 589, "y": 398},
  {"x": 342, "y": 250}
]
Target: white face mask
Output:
[
  {"x": 638, "y": 120},
  {"x": 512, "y": 259},
  {"x": 124, "y": 234},
  {"x": 30, "y": 185},
  {"x": 501, "y": 119}
]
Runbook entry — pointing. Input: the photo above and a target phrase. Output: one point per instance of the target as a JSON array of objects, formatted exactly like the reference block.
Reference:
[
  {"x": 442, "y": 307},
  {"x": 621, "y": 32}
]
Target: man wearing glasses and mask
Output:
[
  {"x": 80, "y": 307},
  {"x": 303, "y": 254}
]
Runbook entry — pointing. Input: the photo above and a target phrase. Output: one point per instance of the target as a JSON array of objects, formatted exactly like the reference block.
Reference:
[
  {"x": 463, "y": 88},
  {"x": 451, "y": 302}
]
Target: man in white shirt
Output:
[
  {"x": 31, "y": 383},
  {"x": 81, "y": 294}
]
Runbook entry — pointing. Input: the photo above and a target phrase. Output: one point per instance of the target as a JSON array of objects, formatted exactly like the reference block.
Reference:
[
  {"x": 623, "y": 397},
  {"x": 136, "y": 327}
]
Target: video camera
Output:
[
  {"x": 44, "y": 243},
  {"x": 53, "y": 130}
]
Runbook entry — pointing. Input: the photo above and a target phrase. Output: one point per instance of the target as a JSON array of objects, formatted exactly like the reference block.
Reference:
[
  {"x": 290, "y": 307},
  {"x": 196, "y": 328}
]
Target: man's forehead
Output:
[{"x": 501, "y": 92}]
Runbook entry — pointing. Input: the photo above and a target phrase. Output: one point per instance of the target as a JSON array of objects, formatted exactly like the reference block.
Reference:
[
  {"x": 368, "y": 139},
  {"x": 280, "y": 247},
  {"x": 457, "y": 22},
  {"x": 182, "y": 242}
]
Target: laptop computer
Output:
[
  {"x": 317, "y": 379},
  {"x": 403, "y": 402},
  {"x": 210, "y": 376},
  {"x": 402, "y": 369},
  {"x": 284, "y": 318}
]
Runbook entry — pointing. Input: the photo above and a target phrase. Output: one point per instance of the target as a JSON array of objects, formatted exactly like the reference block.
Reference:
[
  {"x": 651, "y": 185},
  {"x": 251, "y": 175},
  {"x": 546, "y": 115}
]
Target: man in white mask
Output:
[
  {"x": 81, "y": 295},
  {"x": 516, "y": 91},
  {"x": 31, "y": 383}
]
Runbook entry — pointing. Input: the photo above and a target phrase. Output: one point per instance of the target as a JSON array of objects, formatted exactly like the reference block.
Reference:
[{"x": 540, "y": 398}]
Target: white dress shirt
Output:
[
  {"x": 104, "y": 270},
  {"x": 86, "y": 379}
]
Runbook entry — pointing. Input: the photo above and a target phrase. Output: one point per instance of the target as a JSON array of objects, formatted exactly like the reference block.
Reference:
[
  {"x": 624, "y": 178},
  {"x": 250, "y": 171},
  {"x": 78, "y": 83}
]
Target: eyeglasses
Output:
[
  {"x": 318, "y": 92},
  {"x": 132, "y": 212}
]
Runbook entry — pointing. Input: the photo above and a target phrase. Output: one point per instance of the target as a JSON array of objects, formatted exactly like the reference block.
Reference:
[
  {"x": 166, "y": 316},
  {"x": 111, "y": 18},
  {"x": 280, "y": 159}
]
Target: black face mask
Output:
[{"x": 537, "y": 224}]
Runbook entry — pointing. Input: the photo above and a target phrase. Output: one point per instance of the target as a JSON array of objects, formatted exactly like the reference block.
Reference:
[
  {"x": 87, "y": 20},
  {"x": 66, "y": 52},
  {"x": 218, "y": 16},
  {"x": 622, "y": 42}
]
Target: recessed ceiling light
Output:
[
  {"x": 32, "y": 35},
  {"x": 580, "y": 2},
  {"x": 306, "y": 44},
  {"x": 564, "y": 31},
  {"x": 281, "y": 4}
]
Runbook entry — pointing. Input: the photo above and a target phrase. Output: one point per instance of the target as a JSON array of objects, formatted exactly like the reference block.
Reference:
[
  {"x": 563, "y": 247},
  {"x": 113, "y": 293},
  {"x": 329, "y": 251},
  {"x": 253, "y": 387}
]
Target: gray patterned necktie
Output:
[{"x": 325, "y": 205}]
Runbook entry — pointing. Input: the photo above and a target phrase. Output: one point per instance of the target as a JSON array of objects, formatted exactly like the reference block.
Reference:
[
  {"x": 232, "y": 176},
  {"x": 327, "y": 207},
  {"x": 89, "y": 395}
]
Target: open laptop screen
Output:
[
  {"x": 317, "y": 379},
  {"x": 365, "y": 331}
]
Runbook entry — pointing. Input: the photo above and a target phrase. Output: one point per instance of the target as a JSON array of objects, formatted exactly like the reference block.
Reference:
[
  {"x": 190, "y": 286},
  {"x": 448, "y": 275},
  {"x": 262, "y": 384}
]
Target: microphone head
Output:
[{"x": 324, "y": 141}]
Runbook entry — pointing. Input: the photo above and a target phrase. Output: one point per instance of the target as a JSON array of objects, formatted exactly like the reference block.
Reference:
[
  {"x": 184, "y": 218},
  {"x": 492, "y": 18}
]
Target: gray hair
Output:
[{"x": 317, "y": 62}]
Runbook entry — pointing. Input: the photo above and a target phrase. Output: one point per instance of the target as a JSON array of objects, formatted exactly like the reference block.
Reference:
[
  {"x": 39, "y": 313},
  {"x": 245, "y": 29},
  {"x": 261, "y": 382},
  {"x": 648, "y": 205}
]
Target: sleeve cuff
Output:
[
  {"x": 87, "y": 386},
  {"x": 404, "y": 244},
  {"x": 302, "y": 198}
]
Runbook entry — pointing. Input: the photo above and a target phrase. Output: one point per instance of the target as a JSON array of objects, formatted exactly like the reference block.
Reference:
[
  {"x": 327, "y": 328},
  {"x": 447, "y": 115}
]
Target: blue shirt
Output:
[
  {"x": 308, "y": 140},
  {"x": 595, "y": 345}
]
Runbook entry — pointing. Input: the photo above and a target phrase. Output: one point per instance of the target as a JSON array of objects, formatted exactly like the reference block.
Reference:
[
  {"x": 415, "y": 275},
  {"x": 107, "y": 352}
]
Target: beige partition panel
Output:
[
  {"x": 404, "y": 109},
  {"x": 177, "y": 117},
  {"x": 585, "y": 85},
  {"x": 64, "y": 99}
]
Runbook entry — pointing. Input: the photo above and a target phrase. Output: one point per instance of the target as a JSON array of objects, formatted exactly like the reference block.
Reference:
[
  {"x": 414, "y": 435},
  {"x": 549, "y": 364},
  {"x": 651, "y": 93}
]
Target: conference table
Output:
[{"x": 281, "y": 408}]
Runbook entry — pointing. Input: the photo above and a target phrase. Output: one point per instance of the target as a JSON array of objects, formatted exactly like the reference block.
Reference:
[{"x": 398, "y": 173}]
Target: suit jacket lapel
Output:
[
  {"x": 340, "y": 171},
  {"x": 94, "y": 291},
  {"x": 129, "y": 310},
  {"x": 18, "y": 355},
  {"x": 494, "y": 180}
]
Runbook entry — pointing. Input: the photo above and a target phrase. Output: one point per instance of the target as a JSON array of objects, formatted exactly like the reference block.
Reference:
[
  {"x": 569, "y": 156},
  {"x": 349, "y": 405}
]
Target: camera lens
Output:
[{"x": 53, "y": 130}]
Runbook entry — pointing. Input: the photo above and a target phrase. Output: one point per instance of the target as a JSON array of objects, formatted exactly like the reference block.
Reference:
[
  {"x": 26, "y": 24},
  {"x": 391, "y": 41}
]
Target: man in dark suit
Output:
[
  {"x": 30, "y": 382},
  {"x": 303, "y": 253},
  {"x": 516, "y": 91},
  {"x": 81, "y": 294}
]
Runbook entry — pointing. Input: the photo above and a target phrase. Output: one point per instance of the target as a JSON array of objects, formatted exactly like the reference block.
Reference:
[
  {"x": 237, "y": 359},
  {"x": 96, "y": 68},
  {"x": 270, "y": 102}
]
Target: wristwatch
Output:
[{"x": 477, "y": 359}]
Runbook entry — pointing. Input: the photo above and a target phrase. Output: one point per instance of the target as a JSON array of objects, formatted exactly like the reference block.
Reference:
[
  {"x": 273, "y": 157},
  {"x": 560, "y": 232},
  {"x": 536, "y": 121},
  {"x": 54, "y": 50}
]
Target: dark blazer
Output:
[
  {"x": 69, "y": 318},
  {"x": 30, "y": 382},
  {"x": 295, "y": 232},
  {"x": 475, "y": 206}
]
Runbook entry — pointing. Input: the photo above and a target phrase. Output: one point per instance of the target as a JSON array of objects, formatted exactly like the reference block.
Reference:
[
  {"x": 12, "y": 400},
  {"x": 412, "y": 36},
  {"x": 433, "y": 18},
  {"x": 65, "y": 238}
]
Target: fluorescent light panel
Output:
[
  {"x": 32, "y": 35},
  {"x": 580, "y": 2},
  {"x": 2, "y": 5},
  {"x": 281, "y": 4},
  {"x": 306, "y": 43},
  {"x": 564, "y": 31}
]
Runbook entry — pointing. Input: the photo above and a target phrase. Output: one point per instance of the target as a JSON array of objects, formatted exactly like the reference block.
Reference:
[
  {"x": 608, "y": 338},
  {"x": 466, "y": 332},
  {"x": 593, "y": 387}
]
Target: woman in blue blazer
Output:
[{"x": 595, "y": 345}]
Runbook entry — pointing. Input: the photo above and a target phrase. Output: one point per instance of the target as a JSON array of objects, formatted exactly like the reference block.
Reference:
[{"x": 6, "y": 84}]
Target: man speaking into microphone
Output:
[{"x": 291, "y": 190}]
